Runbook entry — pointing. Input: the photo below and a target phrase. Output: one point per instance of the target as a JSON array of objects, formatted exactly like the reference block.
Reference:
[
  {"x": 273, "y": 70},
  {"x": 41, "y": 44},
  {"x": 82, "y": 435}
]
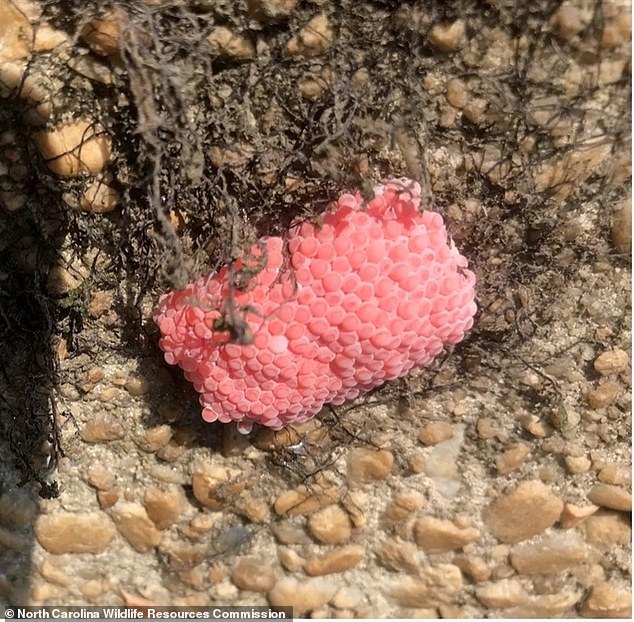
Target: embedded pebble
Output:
[
  {"x": 313, "y": 39},
  {"x": 355, "y": 503},
  {"x": 573, "y": 515},
  {"x": 254, "y": 508},
  {"x": 53, "y": 573},
  {"x": 320, "y": 614},
  {"x": 436, "y": 535},
  {"x": 108, "y": 394},
  {"x": 271, "y": 10},
  {"x": 330, "y": 525},
  {"x": 456, "y": 93},
  {"x": 612, "y": 362},
  {"x": 216, "y": 574},
  {"x": 565, "y": 420},
  {"x": 367, "y": 465},
  {"x": 435, "y": 432},
  {"x": 165, "y": 473},
  {"x": 440, "y": 463},
  {"x": 546, "y": 606},
  {"x": 304, "y": 596},
  {"x": 434, "y": 585},
  {"x": 93, "y": 588},
  {"x": 402, "y": 505},
  {"x": 17, "y": 33},
  {"x": 201, "y": 523},
  {"x": 448, "y": 116},
  {"x": 135, "y": 526},
  {"x": 177, "y": 447},
  {"x": 511, "y": 458},
  {"x": 526, "y": 511},
  {"x": 337, "y": 560},
  {"x": 253, "y": 574},
  {"x": 155, "y": 438},
  {"x": 502, "y": 594},
  {"x": 577, "y": 464},
  {"x": 196, "y": 577},
  {"x": 310, "y": 431},
  {"x": 227, "y": 43},
  {"x": 311, "y": 88},
  {"x": 606, "y": 600},
  {"x": 474, "y": 110},
  {"x": 550, "y": 554},
  {"x": 474, "y": 567},
  {"x": 65, "y": 532},
  {"x": 399, "y": 555},
  {"x": 182, "y": 553},
  {"x": 301, "y": 500},
  {"x": 99, "y": 198},
  {"x": 99, "y": 477},
  {"x": 224, "y": 591},
  {"x": 535, "y": 426},
  {"x": 164, "y": 507},
  {"x": 314, "y": 84},
  {"x": 42, "y": 593},
  {"x": 134, "y": 600},
  {"x": 612, "y": 497},
  {"x": 448, "y": 37},
  {"x": 569, "y": 20},
  {"x": 347, "y": 598},
  {"x": 346, "y": 614},
  {"x": 588, "y": 575},
  {"x": 604, "y": 394},
  {"x": 289, "y": 533},
  {"x": 416, "y": 461},
  {"x": 136, "y": 385},
  {"x": 617, "y": 474},
  {"x": 102, "y": 428},
  {"x": 91, "y": 378},
  {"x": 290, "y": 559},
  {"x": 74, "y": 148},
  {"x": 92, "y": 68},
  {"x": 487, "y": 428},
  {"x": 213, "y": 484},
  {"x": 107, "y": 498},
  {"x": 102, "y": 33}
]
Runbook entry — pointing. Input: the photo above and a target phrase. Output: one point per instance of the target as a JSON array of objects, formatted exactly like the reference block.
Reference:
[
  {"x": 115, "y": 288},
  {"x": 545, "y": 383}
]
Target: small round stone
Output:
[
  {"x": 610, "y": 496},
  {"x": 330, "y": 525},
  {"x": 435, "y": 432},
  {"x": 611, "y": 362},
  {"x": 532, "y": 500},
  {"x": 304, "y": 596},
  {"x": 253, "y": 575},
  {"x": 68, "y": 532},
  {"x": 335, "y": 561}
]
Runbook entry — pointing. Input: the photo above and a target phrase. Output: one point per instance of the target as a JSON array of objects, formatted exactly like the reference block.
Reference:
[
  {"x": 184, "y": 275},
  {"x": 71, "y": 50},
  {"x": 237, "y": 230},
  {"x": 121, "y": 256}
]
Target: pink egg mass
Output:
[{"x": 334, "y": 309}]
